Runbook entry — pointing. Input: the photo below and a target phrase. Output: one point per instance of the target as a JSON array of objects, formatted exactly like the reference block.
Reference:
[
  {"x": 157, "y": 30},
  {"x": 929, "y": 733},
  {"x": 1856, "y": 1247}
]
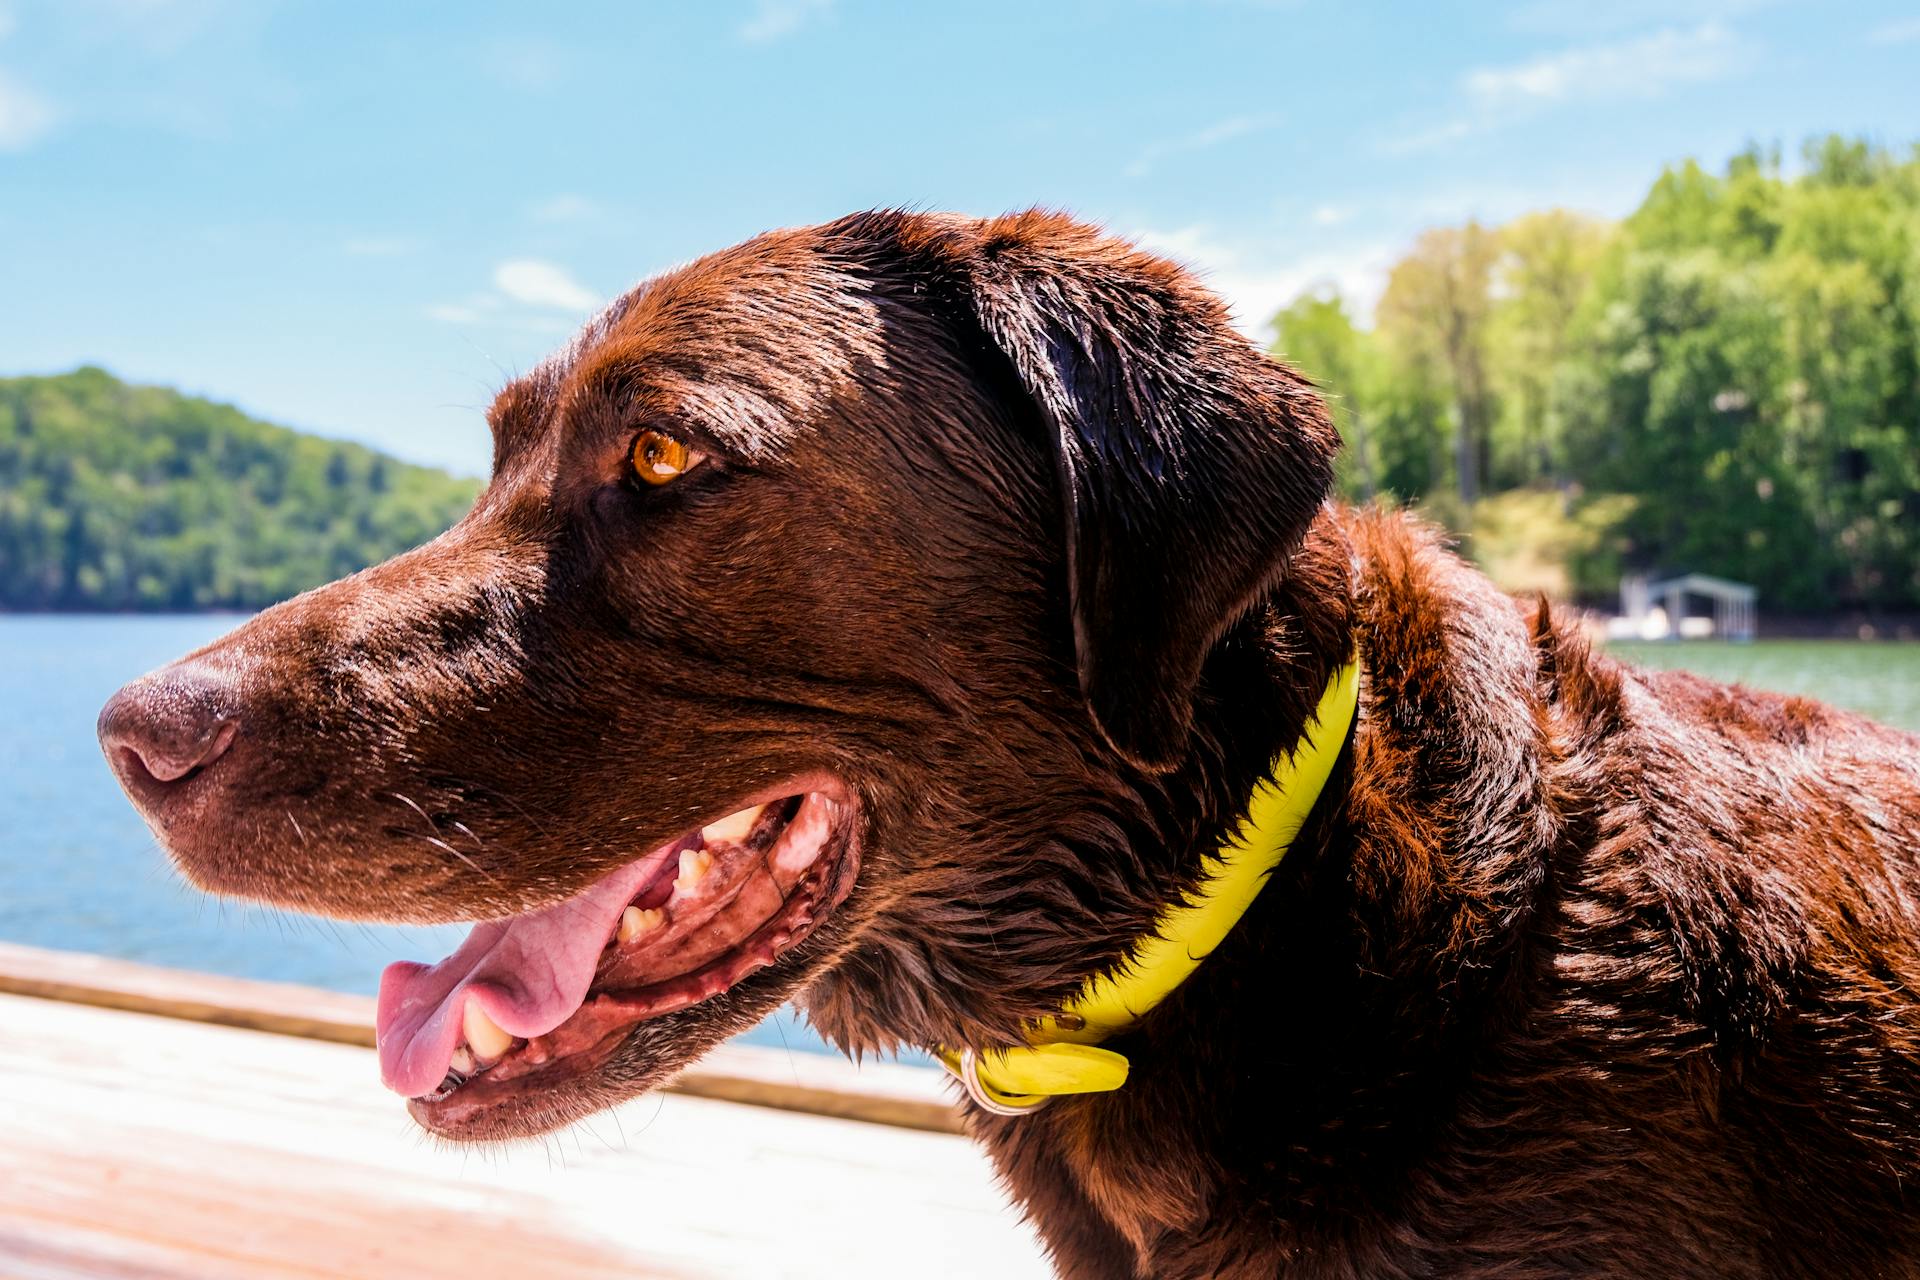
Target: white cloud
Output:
[
  {"x": 1206, "y": 139},
  {"x": 565, "y": 207},
  {"x": 457, "y": 312},
  {"x": 526, "y": 294},
  {"x": 525, "y": 62},
  {"x": 1256, "y": 282},
  {"x": 1644, "y": 67},
  {"x": 543, "y": 284},
  {"x": 776, "y": 19},
  {"x": 1640, "y": 68},
  {"x": 25, "y": 116},
  {"x": 1600, "y": 192},
  {"x": 492, "y": 311},
  {"x": 1584, "y": 18},
  {"x": 1274, "y": 6},
  {"x": 1329, "y": 215},
  {"x": 1901, "y": 31},
  {"x": 379, "y": 246},
  {"x": 1428, "y": 138},
  {"x": 156, "y": 28}
]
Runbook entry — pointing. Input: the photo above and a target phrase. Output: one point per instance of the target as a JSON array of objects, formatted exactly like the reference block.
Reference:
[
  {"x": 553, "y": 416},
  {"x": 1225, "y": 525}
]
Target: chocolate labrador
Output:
[{"x": 897, "y": 616}]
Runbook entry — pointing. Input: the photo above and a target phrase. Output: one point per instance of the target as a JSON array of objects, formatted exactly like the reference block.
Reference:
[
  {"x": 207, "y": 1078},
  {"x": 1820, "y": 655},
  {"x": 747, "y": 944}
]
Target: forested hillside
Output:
[
  {"x": 1727, "y": 381},
  {"x": 122, "y": 497}
]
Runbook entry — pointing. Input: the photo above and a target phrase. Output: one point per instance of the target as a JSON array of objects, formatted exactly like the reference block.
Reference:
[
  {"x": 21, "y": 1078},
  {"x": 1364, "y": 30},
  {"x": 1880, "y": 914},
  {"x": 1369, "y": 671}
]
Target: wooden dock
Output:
[{"x": 151, "y": 1129}]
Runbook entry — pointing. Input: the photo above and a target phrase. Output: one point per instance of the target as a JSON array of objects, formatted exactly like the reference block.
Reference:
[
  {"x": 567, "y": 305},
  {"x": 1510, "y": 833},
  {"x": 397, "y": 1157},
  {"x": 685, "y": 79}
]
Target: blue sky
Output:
[{"x": 360, "y": 218}]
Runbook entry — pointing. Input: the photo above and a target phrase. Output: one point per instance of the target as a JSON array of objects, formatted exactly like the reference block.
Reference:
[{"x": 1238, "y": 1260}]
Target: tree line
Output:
[
  {"x": 138, "y": 498},
  {"x": 1726, "y": 381}
]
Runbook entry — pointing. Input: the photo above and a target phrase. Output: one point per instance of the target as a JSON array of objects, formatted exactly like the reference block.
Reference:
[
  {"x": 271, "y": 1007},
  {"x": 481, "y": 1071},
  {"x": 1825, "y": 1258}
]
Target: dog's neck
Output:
[
  {"x": 1261, "y": 689},
  {"x": 1028, "y": 925},
  {"x": 1319, "y": 1043},
  {"x": 1064, "y": 1053}
]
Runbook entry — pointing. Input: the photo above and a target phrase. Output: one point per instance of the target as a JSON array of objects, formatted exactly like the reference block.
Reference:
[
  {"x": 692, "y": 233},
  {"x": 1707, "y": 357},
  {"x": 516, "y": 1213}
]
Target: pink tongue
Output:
[{"x": 529, "y": 973}]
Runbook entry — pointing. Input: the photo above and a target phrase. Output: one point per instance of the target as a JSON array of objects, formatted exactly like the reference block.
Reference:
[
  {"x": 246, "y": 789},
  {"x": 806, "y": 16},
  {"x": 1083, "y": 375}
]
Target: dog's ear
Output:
[{"x": 1189, "y": 463}]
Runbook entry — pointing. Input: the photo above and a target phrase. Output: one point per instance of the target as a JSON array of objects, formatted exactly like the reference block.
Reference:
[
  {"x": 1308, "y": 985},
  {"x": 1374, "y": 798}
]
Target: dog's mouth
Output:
[{"x": 548, "y": 996}]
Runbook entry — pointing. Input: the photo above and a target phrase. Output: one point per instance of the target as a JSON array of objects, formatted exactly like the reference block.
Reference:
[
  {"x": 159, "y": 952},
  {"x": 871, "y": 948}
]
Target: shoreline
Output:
[{"x": 1852, "y": 626}]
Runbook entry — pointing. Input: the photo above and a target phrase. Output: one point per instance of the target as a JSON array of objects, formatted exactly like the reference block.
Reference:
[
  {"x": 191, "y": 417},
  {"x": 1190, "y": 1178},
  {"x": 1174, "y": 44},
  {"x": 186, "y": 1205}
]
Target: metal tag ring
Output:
[{"x": 969, "y": 1077}]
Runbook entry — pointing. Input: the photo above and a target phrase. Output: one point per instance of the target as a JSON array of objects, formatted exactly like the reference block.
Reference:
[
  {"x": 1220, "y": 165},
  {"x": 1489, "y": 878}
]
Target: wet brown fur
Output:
[{"x": 1576, "y": 970}]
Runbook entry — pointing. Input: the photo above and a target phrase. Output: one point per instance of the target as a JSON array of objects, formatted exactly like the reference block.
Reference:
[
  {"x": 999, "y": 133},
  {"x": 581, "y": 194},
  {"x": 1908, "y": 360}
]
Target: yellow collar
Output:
[{"x": 1062, "y": 1054}]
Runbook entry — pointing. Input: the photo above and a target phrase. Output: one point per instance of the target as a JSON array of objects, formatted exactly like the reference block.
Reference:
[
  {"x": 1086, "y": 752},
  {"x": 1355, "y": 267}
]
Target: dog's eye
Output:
[{"x": 658, "y": 458}]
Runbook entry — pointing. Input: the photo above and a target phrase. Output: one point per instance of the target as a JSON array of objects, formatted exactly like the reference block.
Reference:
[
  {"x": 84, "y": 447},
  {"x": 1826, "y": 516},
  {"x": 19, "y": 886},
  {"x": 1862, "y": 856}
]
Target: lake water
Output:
[
  {"x": 1881, "y": 679},
  {"x": 79, "y": 871}
]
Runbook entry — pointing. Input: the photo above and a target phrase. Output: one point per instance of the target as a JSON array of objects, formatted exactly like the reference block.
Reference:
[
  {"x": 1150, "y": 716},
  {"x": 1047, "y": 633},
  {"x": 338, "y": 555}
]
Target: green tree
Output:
[
  {"x": 1727, "y": 381},
  {"x": 1316, "y": 335},
  {"x": 1546, "y": 266},
  {"x": 1435, "y": 315}
]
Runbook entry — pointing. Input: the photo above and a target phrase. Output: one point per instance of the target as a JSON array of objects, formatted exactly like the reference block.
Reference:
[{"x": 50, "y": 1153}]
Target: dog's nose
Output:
[{"x": 165, "y": 726}]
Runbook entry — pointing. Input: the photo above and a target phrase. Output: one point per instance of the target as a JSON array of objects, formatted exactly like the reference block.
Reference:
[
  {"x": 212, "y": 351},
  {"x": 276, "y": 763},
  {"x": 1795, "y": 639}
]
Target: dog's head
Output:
[{"x": 834, "y": 603}]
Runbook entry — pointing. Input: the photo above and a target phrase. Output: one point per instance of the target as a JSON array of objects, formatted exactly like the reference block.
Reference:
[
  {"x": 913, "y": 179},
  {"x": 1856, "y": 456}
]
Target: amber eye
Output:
[{"x": 659, "y": 458}]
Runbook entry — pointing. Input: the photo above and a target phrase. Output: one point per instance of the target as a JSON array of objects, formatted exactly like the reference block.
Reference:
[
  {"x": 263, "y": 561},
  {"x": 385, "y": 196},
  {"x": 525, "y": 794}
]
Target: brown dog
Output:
[{"x": 895, "y": 615}]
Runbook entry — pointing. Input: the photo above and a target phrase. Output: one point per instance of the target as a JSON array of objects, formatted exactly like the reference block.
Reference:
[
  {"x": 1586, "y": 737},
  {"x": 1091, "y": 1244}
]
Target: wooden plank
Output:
[
  {"x": 874, "y": 1092},
  {"x": 279, "y": 1007},
  {"x": 879, "y": 1093},
  {"x": 161, "y": 1148}
]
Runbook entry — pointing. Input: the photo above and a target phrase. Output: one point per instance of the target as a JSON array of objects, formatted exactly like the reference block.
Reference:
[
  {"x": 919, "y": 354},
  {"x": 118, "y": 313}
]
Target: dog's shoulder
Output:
[{"x": 1460, "y": 689}]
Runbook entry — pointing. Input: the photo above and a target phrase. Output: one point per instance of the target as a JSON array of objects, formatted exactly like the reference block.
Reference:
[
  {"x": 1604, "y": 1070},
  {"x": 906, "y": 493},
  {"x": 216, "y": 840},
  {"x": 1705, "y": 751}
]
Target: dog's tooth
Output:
[
  {"x": 462, "y": 1061},
  {"x": 734, "y": 827},
  {"x": 694, "y": 864},
  {"x": 637, "y": 921},
  {"x": 485, "y": 1037}
]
